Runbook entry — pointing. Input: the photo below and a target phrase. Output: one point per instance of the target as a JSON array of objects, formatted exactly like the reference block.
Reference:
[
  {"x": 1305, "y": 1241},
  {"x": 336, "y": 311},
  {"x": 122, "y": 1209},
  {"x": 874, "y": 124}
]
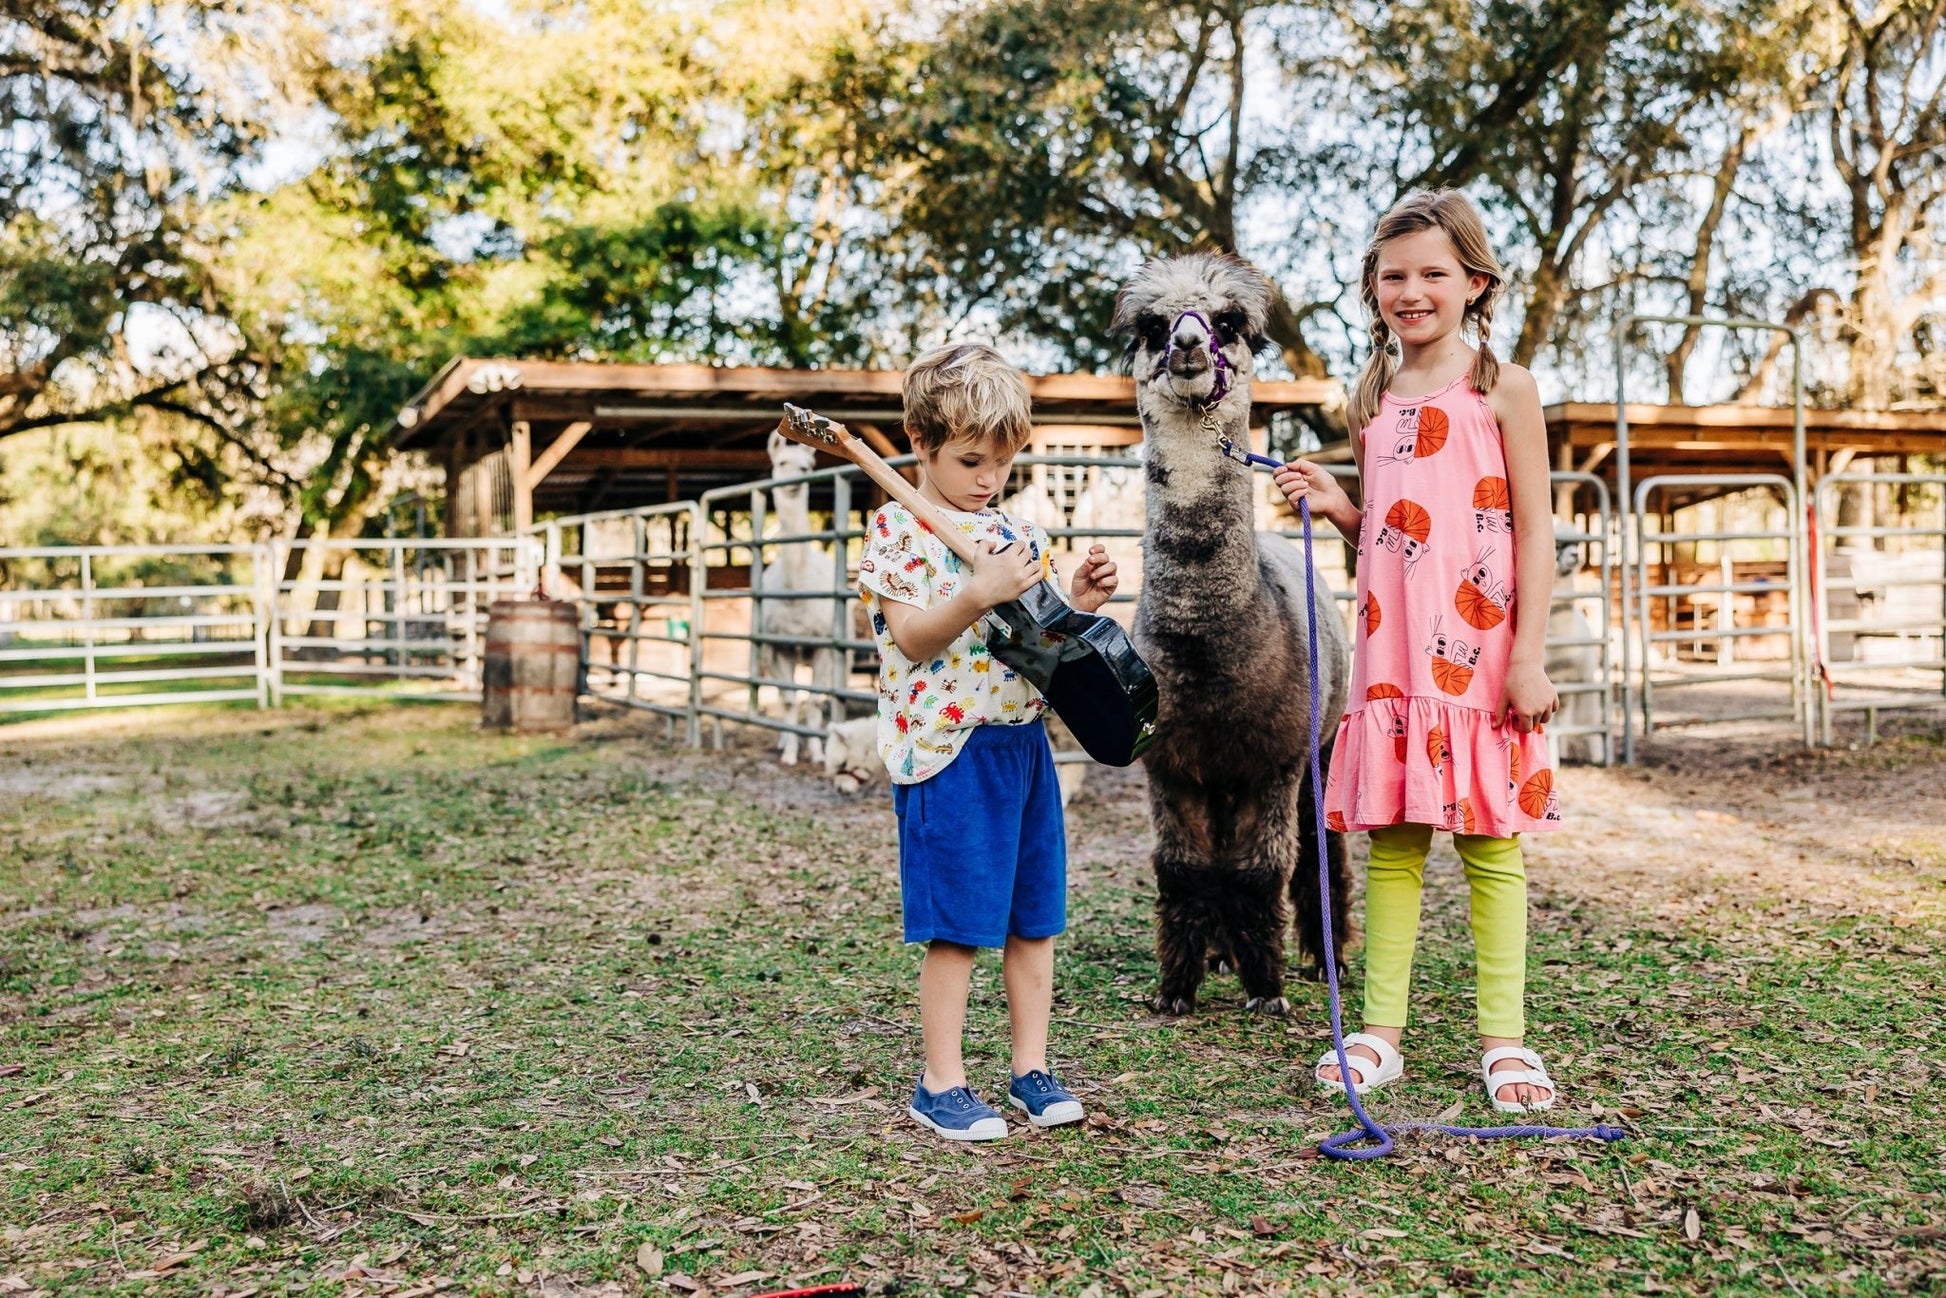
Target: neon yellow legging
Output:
[{"x": 1499, "y": 882}]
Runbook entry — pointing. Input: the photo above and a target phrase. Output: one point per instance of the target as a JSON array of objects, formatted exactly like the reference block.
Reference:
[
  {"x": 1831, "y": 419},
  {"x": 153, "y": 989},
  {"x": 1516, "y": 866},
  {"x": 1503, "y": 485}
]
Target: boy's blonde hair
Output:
[
  {"x": 966, "y": 392},
  {"x": 1426, "y": 209}
]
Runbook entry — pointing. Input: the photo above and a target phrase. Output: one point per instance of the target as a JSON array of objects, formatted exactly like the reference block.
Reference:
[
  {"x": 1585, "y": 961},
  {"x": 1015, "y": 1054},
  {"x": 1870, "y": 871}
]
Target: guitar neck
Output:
[{"x": 908, "y": 495}]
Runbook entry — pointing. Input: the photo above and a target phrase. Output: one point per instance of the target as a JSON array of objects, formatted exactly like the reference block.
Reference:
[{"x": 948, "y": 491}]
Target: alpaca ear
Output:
[{"x": 1122, "y": 322}]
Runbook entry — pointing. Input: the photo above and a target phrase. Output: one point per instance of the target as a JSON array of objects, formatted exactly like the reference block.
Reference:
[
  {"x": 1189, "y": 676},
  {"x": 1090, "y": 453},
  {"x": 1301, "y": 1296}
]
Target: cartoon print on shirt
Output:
[
  {"x": 1420, "y": 432},
  {"x": 1493, "y": 507},
  {"x": 1407, "y": 527},
  {"x": 1482, "y": 597},
  {"x": 1453, "y": 660}
]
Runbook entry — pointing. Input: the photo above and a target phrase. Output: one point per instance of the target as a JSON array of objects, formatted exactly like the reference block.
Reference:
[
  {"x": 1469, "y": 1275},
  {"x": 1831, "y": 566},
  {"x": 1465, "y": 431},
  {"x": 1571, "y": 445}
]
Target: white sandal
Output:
[
  {"x": 1389, "y": 1068},
  {"x": 1534, "y": 1074}
]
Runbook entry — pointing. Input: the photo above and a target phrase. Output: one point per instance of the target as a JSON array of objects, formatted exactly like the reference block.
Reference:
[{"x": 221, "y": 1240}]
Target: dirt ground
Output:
[{"x": 608, "y": 1015}]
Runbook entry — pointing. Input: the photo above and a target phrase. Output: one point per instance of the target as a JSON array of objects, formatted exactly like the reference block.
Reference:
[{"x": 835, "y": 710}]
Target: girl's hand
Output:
[
  {"x": 1301, "y": 478},
  {"x": 1003, "y": 575},
  {"x": 1094, "y": 581},
  {"x": 1529, "y": 699}
]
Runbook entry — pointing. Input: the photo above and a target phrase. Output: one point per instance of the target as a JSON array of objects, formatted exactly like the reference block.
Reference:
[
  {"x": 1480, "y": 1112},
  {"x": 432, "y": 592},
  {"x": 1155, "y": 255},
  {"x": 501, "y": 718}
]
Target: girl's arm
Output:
[{"x": 1516, "y": 403}]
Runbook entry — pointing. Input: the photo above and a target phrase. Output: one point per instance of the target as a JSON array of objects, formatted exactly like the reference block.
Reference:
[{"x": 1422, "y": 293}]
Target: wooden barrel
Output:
[{"x": 532, "y": 667}]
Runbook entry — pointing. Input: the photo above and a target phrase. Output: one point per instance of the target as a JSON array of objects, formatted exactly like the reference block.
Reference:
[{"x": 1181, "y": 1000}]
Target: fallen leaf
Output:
[
  {"x": 680, "y": 1281},
  {"x": 612, "y": 1142},
  {"x": 743, "y": 1277},
  {"x": 1262, "y": 1226},
  {"x": 1692, "y": 1225},
  {"x": 1019, "y": 1189},
  {"x": 1383, "y": 1232},
  {"x": 968, "y": 1218},
  {"x": 649, "y": 1258},
  {"x": 457, "y": 1049},
  {"x": 8, "y": 1070},
  {"x": 1451, "y": 1111}
]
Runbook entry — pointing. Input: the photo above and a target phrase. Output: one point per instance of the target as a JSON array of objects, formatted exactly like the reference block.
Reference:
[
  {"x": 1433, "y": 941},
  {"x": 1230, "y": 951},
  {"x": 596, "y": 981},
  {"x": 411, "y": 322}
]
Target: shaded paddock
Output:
[{"x": 364, "y": 1000}]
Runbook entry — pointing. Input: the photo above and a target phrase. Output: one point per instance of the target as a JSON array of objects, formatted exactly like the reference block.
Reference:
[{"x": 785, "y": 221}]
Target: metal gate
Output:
[
  {"x": 1580, "y": 634},
  {"x": 103, "y": 626},
  {"x": 399, "y": 618},
  {"x": 630, "y": 571},
  {"x": 1892, "y": 654},
  {"x": 1718, "y": 615}
]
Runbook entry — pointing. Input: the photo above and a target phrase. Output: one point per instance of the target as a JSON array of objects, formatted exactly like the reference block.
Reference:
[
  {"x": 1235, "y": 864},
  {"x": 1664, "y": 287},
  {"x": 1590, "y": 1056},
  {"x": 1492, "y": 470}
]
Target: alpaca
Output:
[
  {"x": 1221, "y": 621},
  {"x": 1575, "y": 662},
  {"x": 799, "y": 566}
]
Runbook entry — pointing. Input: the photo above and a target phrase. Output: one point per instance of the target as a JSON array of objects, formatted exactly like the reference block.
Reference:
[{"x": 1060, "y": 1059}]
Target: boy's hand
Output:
[
  {"x": 1301, "y": 478},
  {"x": 1002, "y": 575},
  {"x": 1094, "y": 581}
]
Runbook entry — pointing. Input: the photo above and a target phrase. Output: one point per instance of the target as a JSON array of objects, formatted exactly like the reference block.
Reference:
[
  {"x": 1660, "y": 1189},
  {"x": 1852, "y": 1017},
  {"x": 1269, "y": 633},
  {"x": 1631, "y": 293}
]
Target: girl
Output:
[{"x": 1448, "y": 692}]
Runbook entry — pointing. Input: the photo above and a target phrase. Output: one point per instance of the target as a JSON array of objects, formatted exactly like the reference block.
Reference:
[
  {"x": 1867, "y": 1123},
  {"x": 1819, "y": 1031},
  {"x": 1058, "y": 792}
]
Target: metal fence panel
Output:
[
  {"x": 400, "y": 618},
  {"x": 1892, "y": 654},
  {"x": 1663, "y": 672},
  {"x": 99, "y": 626}
]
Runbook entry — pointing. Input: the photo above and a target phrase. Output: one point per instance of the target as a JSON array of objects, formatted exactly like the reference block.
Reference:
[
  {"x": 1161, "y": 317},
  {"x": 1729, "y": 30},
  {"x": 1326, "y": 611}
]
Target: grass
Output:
[{"x": 359, "y": 999}]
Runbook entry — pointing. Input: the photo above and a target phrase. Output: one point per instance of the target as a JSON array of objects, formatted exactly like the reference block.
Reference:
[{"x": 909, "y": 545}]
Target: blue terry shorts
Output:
[{"x": 983, "y": 850}]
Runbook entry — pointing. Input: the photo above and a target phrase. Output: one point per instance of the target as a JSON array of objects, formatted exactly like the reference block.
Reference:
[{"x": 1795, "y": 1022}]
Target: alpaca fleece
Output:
[{"x": 1221, "y": 622}]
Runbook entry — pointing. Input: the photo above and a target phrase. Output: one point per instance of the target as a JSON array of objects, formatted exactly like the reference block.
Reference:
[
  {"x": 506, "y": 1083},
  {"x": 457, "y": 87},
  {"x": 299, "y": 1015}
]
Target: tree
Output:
[
  {"x": 1885, "y": 111},
  {"x": 1031, "y": 153},
  {"x": 122, "y": 122}
]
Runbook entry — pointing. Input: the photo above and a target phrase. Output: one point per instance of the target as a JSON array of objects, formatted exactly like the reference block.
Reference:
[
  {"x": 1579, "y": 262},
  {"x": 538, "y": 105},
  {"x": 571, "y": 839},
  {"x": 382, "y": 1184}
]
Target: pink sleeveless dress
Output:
[{"x": 1435, "y": 630}]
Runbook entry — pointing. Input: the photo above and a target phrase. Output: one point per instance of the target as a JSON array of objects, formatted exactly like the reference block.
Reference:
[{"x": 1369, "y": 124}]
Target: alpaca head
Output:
[
  {"x": 790, "y": 459},
  {"x": 1171, "y": 352}
]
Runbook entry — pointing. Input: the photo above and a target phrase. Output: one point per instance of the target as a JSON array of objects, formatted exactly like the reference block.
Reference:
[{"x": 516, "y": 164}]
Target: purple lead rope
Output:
[{"x": 1345, "y": 1145}]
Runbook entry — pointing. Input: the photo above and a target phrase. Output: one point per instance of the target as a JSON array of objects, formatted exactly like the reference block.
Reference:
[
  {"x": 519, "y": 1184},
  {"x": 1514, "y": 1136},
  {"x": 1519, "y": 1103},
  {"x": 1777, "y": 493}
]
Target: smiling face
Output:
[
  {"x": 966, "y": 474},
  {"x": 1422, "y": 288}
]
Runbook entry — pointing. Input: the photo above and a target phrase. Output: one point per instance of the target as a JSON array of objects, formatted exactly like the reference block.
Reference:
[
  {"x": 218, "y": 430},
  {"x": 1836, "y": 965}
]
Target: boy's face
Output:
[{"x": 967, "y": 474}]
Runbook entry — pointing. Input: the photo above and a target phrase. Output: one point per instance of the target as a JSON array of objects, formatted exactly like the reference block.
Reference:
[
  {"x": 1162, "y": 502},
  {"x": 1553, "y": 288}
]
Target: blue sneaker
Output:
[
  {"x": 956, "y": 1114},
  {"x": 1047, "y": 1102}
]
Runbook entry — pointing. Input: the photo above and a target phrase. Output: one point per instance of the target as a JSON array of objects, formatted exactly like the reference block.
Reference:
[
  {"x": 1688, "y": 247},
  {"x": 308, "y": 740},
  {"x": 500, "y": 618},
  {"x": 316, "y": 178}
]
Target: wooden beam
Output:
[
  {"x": 671, "y": 457},
  {"x": 556, "y": 451},
  {"x": 520, "y": 454}
]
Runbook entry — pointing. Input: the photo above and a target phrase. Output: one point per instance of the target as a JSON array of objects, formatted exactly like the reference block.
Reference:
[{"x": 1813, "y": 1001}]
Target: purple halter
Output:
[{"x": 1221, "y": 387}]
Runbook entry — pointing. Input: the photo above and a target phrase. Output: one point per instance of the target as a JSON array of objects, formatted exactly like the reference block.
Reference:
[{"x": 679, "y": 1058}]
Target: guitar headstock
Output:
[{"x": 811, "y": 429}]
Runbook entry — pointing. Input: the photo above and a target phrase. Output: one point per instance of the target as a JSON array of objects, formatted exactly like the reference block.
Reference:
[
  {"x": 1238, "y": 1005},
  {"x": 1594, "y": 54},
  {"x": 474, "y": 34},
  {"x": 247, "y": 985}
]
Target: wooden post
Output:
[{"x": 520, "y": 455}]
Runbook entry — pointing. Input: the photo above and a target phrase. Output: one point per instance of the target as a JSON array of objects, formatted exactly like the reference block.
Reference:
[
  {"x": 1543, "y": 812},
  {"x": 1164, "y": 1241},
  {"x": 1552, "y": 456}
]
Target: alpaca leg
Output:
[
  {"x": 792, "y": 700},
  {"x": 1185, "y": 926},
  {"x": 1255, "y": 919},
  {"x": 1306, "y": 904}
]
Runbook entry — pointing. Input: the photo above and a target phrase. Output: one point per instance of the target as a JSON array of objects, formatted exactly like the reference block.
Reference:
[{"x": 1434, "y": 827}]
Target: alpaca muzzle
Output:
[{"x": 1192, "y": 353}]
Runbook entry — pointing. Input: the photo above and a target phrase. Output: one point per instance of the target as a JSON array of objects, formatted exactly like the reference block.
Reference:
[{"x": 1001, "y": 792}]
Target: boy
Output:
[{"x": 982, "y": 846}]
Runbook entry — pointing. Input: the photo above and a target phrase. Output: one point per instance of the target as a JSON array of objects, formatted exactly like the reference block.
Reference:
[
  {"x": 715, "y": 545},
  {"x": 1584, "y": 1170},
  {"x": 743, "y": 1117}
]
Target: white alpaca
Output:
[
  {"x": 799, "y": 566},
  {"x": 1571, "y": 663}
]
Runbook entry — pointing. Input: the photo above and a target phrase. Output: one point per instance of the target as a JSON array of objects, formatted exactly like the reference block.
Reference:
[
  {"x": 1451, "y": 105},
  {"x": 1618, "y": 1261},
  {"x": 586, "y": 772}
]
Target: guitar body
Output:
[{"x": 1092, "y": 677}]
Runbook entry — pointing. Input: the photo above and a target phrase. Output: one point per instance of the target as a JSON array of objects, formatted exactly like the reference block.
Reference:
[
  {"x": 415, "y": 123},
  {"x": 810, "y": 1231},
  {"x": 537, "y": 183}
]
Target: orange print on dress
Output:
[
  {"x": 1436, "y": 750},
  {"x": 1371, "y": 614},
  {"x": 1407, "y": 525},
  {"x": 1389, "y": 697},
  {"x": 1335, "y": 820},
  {"x": 1453, "y": 660},
  {"x": 1513, "y": 770},
  {"x": 1493, "y": 506},
  {"x": 1467, "y": 823},
  {"x": 1420, "y": 432},
  {"x": 1537, "y": 796},
  {"x": 1482, "y": 597}
]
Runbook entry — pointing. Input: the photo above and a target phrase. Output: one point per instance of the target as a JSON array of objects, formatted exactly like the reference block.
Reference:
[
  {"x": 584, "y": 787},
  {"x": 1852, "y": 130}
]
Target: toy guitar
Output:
[{"x": 1091, "y": 675}]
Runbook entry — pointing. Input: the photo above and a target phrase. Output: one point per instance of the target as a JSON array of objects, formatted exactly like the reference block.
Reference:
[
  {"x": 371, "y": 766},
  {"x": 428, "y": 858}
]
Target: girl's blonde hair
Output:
[{"x": 1426, "y": 209}]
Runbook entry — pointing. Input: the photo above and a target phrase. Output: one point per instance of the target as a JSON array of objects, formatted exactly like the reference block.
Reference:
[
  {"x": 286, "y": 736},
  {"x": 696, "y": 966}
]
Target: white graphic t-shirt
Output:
[{"x": 926, "y": 710}]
